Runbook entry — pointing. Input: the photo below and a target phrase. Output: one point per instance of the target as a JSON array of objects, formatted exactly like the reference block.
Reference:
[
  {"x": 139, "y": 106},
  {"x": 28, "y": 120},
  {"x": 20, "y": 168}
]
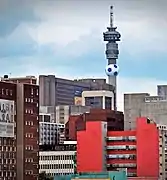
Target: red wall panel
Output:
[
  {"x": 147, "y": 149},
  {"x": 90, "y": 148}
]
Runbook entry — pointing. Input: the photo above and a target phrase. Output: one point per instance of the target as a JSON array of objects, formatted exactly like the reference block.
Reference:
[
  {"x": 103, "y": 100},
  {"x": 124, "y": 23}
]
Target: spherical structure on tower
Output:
[{"x": 112, "y": 70}]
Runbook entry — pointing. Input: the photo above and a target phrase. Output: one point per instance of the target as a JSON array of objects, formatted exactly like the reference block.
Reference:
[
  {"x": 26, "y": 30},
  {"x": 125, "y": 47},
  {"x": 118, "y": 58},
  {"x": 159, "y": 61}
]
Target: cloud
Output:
[
  {"x": 12, "y": 13},
  {"x": 18, "y": 43}
]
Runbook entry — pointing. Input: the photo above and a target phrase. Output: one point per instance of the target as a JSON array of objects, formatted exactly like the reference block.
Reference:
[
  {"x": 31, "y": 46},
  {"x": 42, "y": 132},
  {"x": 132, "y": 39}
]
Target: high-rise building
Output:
[
  {"x": 112, "y": 36},
  {"x": 142, "y": 104},
  {"x": 19, "y": 131},
  {"x": 140, "y": 152},
  {"x": 56, "y": 91},
  {"x": 8, "y": 121}
]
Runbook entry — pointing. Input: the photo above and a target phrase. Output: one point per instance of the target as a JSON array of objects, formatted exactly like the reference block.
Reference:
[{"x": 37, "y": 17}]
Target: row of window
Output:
[
  {"x": 29, "y": 123},
  {"x": 57, "y": 166},
  {"x": 7, "y": 161},
  {"x": 29, "y": 172},
  {"x": 7, "y": 155},
  {"x": 7, "y": 92},
  {"x": 8, "y": 148},
  {"x": 33, "y": 91},
  {"x": 58, "y": 157},
  {"x": 122, "y": 156},
  {"x": 29, "y": 147},
  {"x": 6, "y": 141},
  {"x": 7, "y": 174},
  {"x": 54, "y": 174},
  {"x": 29, "y": 135},
  {"x": 121, "y": 147},
  {"x": 30, "y": 100},
  {"x": 30, "y": 160}
]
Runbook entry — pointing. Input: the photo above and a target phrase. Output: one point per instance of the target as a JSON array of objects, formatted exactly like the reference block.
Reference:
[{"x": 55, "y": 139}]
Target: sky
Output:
[{"x": 65, "y": 38}]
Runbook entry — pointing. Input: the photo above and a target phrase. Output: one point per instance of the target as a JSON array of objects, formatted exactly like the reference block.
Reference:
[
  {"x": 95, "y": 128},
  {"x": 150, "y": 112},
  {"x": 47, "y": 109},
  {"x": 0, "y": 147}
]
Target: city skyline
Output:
[{"x": 57, "y": 37}]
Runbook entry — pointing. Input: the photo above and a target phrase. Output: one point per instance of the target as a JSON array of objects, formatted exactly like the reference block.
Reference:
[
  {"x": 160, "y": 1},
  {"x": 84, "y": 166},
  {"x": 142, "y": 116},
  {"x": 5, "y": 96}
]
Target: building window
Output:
[
  {"x": 7, "y": 92},
  {"x": 11, "y": 92},
  {"x": 32, "y": 91}
]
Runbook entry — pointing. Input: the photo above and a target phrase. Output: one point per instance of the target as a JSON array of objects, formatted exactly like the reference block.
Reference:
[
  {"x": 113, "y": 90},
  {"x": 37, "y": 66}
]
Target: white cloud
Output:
[{"x": 67, "y": 21}]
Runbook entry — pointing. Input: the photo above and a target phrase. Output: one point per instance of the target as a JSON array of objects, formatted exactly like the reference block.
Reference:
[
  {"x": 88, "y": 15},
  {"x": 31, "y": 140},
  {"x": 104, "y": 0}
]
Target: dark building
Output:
[
  {"x": 56, "y": 91},
  {"x": 27, "y": 131},
  {"x": 19, "y": 131},
  {"x": 8, "y": 95},
  {"x": 114, "y": 119}
]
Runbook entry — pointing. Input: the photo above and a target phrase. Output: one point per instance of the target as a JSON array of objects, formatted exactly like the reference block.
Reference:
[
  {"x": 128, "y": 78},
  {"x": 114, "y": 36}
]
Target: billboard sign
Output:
[{"x": 6, "y": 118}]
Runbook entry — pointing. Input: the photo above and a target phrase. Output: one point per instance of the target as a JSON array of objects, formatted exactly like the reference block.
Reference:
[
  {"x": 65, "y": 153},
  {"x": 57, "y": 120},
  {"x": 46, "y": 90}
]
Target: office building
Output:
[
  {"x": 56, "y": 91},
  {"x": 51, "y": 133},
  {"x": 114, "y": 119},
  {"x": 58, "y": 160},
  {"x": 60, "y": 114},
  {"x": 139, "y": 152},
  {"x": 98, "y": 99},
  {"x": 142, "y": 104},
  {"x": 19, "y": 131}
]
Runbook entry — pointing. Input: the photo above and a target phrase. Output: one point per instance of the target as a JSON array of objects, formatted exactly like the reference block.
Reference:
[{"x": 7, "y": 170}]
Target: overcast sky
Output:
[{"x": 64, "y": 38}]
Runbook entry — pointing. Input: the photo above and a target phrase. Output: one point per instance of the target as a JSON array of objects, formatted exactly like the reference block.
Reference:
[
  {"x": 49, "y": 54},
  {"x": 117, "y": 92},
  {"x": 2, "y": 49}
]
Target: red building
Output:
[
  {"x": 114, "y": 119},
  {"x": 136, "y": 151}
]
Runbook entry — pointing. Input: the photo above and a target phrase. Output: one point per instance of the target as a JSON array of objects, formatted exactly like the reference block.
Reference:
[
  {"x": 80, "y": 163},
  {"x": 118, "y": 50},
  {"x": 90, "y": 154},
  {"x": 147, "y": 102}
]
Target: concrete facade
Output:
[{"x": 142, "y": 104}]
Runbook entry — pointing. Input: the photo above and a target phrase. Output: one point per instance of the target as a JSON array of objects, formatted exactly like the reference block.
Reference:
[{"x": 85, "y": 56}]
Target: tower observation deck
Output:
[{"x": 112, "y": 36}]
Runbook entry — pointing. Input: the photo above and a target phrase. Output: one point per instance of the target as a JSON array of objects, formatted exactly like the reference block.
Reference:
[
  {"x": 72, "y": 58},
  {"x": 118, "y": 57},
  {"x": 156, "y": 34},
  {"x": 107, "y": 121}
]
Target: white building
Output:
[
  {"x": 57, "y": 162},
  {"x": 98, "y": 99},
  {"x": 51, "y": 133}
]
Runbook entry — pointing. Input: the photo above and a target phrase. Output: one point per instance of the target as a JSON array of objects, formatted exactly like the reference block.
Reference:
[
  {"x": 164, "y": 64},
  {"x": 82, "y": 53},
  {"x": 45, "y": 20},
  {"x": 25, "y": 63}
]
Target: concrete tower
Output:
[{"x": 112, "y": 36}]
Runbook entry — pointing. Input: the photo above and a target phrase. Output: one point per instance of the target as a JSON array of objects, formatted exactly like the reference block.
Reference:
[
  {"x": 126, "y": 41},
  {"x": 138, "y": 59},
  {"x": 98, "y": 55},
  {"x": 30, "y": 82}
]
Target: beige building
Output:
[
  {"x": 98, "y": 99},
  {"x": 142, "y": 104}
]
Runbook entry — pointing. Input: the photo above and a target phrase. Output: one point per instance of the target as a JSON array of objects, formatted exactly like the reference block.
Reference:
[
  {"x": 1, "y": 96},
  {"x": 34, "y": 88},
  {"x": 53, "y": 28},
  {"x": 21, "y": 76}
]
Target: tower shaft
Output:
[{"x": 112, "y": 36}]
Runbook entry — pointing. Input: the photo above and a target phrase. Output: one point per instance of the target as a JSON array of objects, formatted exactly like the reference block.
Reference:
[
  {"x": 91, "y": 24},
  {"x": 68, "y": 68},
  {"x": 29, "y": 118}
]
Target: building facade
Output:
[
  {"x": 142, "y": 104},
  {"x": 132, "y": 151},
  {"x": 60, "y": 114},
  {"x": 27, "y": 131},
  {"x": 114, "y": 119},
  {"x": 51, "y": 133},
  {"x": 56, "y": 91},
  {"x": 59, "y": 161},
  {"x": 98, "y": 99},
  {"x": 19, "y": 131},
  {"x": 8, "y": 154}
]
